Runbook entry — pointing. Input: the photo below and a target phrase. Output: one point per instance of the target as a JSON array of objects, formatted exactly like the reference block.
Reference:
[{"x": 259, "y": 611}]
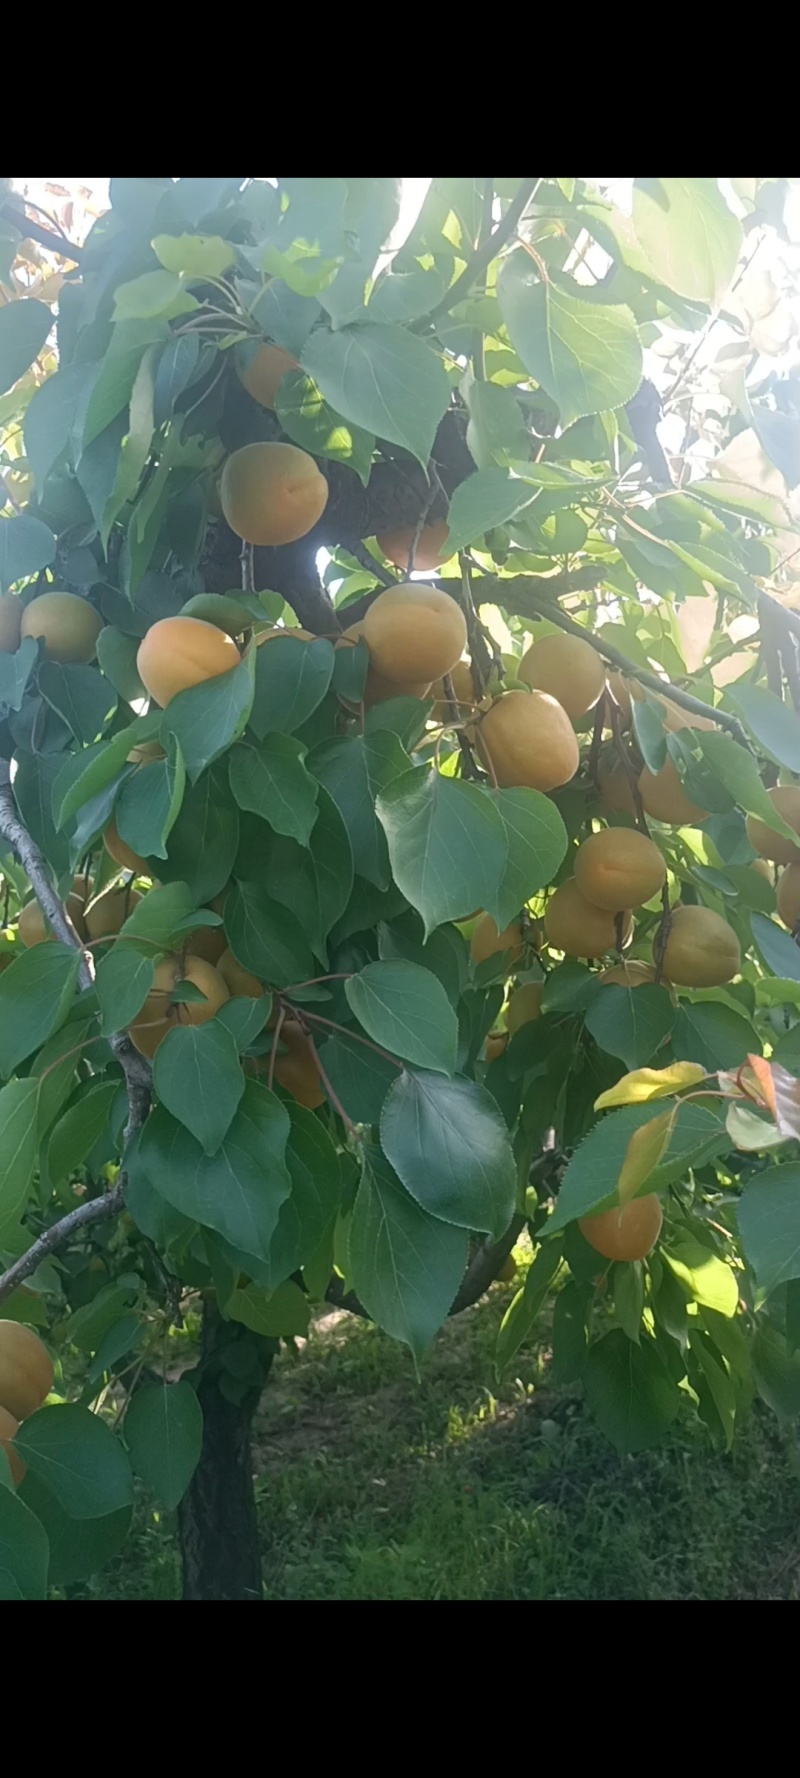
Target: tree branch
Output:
[
  {"x": 485, "y": 1266},
  {"x": 483, "y": 255},
  {"x": 95, "y": 1210},
  {"x": 44, "y": 237},
  {"x": 526, "y": 602}
]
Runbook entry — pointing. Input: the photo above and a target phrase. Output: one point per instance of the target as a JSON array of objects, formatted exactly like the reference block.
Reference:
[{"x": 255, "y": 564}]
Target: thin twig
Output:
[
  {"x": 44, "y": 237},
  {"x": 95, "y": 1210},
  {"x": 662, "y": 935}
]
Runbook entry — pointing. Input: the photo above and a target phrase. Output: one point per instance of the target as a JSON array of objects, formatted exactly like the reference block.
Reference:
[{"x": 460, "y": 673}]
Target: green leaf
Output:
[
  {"x": 738, "y": 771},
  {"x": 80, "y": 695},
  {"x": 488, "y": 498},
  {"x": 122, "y": 982},
  {"x": 360, "y": 1078},
  {"x": 15, "y": 671},
  {"x": 586, "y": 355},
  {"x": 77, "y": 1131},
  {"x": 383, "y": 379},
  {"x": 630, "y": 1024},
  {"x": 314, "y": 883},
  {"x": 197, "y": 1075},
  {"x": 716, "y": 1394},
  {"x": 54, "y": 1068},
  {"x": 496, "y": 433},
  {"x": 245, "y": 1018},
  {"x": 24, "y": 327},
  {"x": 537, "y": 844},
  {"x": 207, "y": 718},
  {"x": 77, "y": 1456},
  {"x": 194, "y": 256},
  {"x": 768, "y": 1218},
  {"x": 157, "y": 919},
  {"x": 777, "y": 1376},
  {"x": 148, "y": 805},
  {"x": 284, "y": 1313},
  {"x": 525, "y": 1308},
  {"x": 83, "y": 775},
  {"x": 164, "y": 1435},
  {"x": 776, "y": 948},
  {"x": 771, "y": 722},
  {"x": 292, "y": 677},
  {"x": 271, "y": 780},
  {"x": 202, "y": 845},
  {"x": 50, "y": 415},
  {"x": 24, "y": 1550},
  {"x": 354, "y": 771},
  {"x": 154, "y": 296},
  {"x": 590, "y": 1180},
  {"x": 407, "y": 1265},
  {"x": 266, "y": 938},
  {"x": 690, "y": 236},
  {"x": 405, "y": 1008},
  {"x": 26, "y": 544},
  {"x": 447, "y": 844},
  {"x": 316, "y": 427},
  {"x": 18, "y": 1146},
  {"x": 449, "y": 1146},
  {"x": 239, "y": 1190},
  {"x": 630, "y": 1391},
  {"x": 705, "y": 1278},
  {"x": 78, "y": 1548},
  {"x": 35, "y": 995},
  {"x": 709, "y": 1032},
  {"x": 316, "y": 1192}
]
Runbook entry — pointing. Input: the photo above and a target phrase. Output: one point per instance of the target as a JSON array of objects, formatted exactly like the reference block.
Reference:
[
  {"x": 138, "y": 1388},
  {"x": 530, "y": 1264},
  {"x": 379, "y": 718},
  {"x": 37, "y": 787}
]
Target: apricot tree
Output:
[{"x": 356, "y": 924}]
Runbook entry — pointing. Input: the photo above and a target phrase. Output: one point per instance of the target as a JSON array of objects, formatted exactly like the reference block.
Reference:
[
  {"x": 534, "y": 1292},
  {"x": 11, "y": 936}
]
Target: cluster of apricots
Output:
[{"x": 26, "y": 1378}]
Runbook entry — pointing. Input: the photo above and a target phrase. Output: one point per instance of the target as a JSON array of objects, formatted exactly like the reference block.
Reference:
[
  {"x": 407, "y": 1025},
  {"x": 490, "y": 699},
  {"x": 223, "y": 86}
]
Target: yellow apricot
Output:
[
  {"x": 569, "y": 669},
  {"x": 524, "y": 1006},
  {"x": 627, "y": 1232},
  {"x": 785, "y": 799},
  {"x": 272, "y": 493},
  {"x": 179, "y": 652},
  {"x": 788, "y": 896},
  {"x": 619, "y": 868},
  {"x": 527, "y": 739},
  {"x": 664, "y": 797},
  {"x": 431, "y": 550},
  {"x": 614, "y": 783},
  {"x": 26, "y": 1370},
  {"x": 573, "y": 925},
  {"x": 122, "y": 854},
  {"x": 631, "y": 974},
  {"x": 68, "y": 626},
  {"x": 297, "y": 1070},
  {"x": 702, "y": 950},
  {"x": 414, "y": 633},
  {"x": 239, "y": 981},
  {"x": 377, "y": 688},
  {"x": 107, "y": 915},
  {"x": 160, "y": 1015},
  {"x": 8, "y": 1428},
  {"x": 496, "y": 1042},
  {"x": 486, "y": 941},
  {"x": 262, "y": 374}
]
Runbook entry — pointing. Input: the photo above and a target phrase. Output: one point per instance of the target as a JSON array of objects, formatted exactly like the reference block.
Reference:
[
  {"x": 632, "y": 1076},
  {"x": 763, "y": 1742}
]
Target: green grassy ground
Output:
[{"x": 374, "y": 1486}]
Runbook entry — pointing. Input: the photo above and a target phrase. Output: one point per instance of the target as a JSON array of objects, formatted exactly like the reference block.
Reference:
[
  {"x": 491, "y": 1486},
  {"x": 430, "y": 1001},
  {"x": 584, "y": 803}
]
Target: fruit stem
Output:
[{"x": 662, "y": 934}]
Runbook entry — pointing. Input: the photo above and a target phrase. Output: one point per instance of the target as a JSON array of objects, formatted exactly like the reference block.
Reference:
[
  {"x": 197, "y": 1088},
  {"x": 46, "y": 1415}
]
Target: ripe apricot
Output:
[
  {"x": 431, "y": 550},
  {"x": 524, "y": 1006},
  {"x": 527, "y": 739},
  {"x": 107, "y": 915},
  {"x": 627, "y": 1232},
  {"x": 620, "y": 692},
  {"x": 619, "y": 868},
  {"x": 272, "y": 493},
  {"x": 573, "y": 925},
  {"x": 614, "y": 783},
  {"x": 495, "y": 1044},
  {"x": 8, "y": 1428},
  {"x": 122, "y": 854},
  {"x": 296, "y": 1070},
  {"x": 26, "y": 1370},
  {"x": 788, "y": 896},
  {"x": 762, "y": 867},
  {"x": 486, "y": 941},
  {"x": 631, "y": 974},
  {"x": 785, "y": 799},
  {"x": 664, "y": 797},
  {"x": 569, "y": 669},
  {"x": 179, "y": 652},
  {"x": 160, "y": 1015},
  {"x": 11, "y": 609},
  {"x": 68, "y": 626},
  {"x": 262, "y": 374},
  {"x": 239, "y": 981},
  {"x": 702, "y": 950},
  {"x": 414, "y": 633},
  {"x": 508, "y": 1270}
]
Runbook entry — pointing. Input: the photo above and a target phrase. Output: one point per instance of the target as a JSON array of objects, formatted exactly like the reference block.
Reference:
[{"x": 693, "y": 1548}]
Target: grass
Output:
[{"x": 373, "y": 1486}]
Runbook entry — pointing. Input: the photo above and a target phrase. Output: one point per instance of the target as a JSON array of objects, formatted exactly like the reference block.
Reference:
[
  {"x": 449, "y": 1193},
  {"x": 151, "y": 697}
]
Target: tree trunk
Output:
[{"x": 217, "y": 1516}]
